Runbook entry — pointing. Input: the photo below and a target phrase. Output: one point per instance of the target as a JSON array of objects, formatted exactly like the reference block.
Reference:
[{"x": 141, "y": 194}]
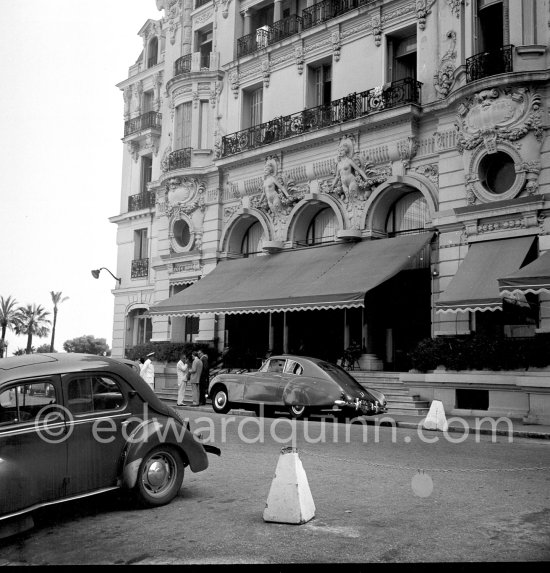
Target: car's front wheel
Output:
[
  {"x": 298, "y": 412},
  {"x": 160, "y": 476},
  {"x": 220, "y": 401}
]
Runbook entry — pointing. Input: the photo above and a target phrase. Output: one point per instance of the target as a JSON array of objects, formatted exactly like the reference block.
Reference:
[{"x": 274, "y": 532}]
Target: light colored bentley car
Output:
[{"x": 299, "y": 384}]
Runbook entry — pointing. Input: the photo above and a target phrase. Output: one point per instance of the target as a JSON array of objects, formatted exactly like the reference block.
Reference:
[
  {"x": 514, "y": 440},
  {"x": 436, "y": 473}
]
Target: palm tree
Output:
[
  {"x": 56, "y": 299},
  {"x": 32, "y": 320},
  {"x": 8, "y": 318}
]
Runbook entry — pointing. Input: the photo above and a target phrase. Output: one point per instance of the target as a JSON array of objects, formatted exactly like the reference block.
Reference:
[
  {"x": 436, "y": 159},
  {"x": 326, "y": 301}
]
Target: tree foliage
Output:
[
  {"x": 57, "y": 299},
  {"x": 8, "y": 318},
  {"x": 87, "y": 344},
  {"x": 32, "y": 320},
  {"x": 43, "y": 348}
]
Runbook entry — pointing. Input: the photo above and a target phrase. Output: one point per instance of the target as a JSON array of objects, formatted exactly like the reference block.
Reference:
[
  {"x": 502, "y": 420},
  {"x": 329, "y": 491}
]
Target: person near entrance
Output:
[
  {"x": 205, "y": 377},
  {"x": 182, "y": 371},
  {"x": 195, "y": 377},
  {"x": 147, "y": 370}
]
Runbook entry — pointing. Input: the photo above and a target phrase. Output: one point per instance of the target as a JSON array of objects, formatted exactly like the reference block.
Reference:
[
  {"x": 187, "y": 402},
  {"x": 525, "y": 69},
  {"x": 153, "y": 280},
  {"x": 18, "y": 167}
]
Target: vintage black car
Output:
[
  {"x": 72, "y": 425},
  {"x": 301, "y": 385}
]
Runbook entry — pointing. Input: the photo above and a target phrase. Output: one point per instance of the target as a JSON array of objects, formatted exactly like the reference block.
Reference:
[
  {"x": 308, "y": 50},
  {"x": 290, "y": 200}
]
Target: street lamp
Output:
[{"x": 95, "y": 274}]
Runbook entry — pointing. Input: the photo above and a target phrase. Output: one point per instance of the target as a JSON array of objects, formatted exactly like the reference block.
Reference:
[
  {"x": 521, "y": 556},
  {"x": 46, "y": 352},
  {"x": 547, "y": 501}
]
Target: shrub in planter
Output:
[{"x": 481, "y": 352}]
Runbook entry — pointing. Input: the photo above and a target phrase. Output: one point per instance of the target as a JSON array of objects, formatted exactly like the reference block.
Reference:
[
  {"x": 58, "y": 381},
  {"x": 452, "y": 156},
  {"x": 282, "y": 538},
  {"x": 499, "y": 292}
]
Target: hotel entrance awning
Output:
[
  {"x": 475, "y": 284},
  {"x": 334, "y": 276},
  {"x": 534, "y": 278}
]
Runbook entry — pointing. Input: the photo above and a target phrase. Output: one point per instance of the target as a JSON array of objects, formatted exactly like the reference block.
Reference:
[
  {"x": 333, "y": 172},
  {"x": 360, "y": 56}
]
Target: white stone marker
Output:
[
  {"x": 289, "y": 499},
  {"x": 436, "y": 419}
]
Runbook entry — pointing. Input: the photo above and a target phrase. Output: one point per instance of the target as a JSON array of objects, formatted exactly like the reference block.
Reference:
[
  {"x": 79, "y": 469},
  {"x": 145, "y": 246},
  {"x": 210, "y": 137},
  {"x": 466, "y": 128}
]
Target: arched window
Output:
[
  {"x": 322, "y": 228},
  {"x": 252, "y": 240},
  {"x": 152, "y": 52},
  {"x": 408, "y": 214}
]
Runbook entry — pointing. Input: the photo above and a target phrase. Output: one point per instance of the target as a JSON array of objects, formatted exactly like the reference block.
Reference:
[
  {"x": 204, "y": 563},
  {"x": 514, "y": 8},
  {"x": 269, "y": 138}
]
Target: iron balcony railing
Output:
[
  {"x": 199, "y": 3},
  {"x": 351, "y": 107},
  {"x": 488, "y": 64},
  {"x": 183, "y": 65},
  {"x": 141, "y": 201},
  {"x": 179, "y": 159},
  {"x": 312, "y": 16},
  {"x": 149, "y": 120},
  {"x": 328, "y": 9},
  {"x": 140, "y": 268},
  {"x": 284, "y": 28}
]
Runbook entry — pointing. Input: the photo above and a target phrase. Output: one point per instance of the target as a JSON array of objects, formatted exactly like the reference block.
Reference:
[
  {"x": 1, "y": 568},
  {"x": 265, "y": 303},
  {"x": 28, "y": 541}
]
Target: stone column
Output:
[
  {"x": 271, "y": 332},
  {"x": 277, "y": 10},
  {"x": 247, "y": 19},
  {"x": 285, "y": 334}
]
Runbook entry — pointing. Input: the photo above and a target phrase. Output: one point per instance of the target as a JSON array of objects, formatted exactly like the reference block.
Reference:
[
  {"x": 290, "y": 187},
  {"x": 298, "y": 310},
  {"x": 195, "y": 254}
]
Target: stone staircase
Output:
[{"x": 397, "y": 395}]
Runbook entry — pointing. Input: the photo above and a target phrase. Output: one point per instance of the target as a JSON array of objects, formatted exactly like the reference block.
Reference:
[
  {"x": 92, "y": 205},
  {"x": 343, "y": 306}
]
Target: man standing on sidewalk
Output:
[
  {"x": 205, "y": 377},
  {"x": 195, "y": 377}
]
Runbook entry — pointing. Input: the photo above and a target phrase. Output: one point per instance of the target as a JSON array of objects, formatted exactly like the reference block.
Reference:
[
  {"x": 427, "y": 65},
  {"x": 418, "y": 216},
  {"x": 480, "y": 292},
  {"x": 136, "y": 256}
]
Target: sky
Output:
[{"x": 61, "y": 124}]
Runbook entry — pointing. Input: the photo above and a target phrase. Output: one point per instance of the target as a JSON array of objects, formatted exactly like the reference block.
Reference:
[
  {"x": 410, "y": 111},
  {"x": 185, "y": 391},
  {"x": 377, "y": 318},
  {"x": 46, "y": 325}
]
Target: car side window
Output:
[
  {"x": 93, "y": 393},
  {"x": 24, "y": 402},
  {"x": 293, "y": 367},
  {"x": 276, "y": 365}
]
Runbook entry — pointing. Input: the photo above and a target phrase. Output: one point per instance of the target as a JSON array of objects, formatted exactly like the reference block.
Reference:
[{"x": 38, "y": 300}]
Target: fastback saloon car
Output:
[
  {"x": 299, "y": 384},
  {"x": 73, "y": 425}
]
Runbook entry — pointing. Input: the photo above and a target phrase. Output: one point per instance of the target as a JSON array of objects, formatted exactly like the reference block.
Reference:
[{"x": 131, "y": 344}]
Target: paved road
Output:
[{"x": 372, "y": 491}]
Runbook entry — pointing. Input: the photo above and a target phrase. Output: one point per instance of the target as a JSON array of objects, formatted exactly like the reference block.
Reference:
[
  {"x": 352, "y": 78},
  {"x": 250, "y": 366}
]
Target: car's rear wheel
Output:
[
  {"x": 298, "y": 412},
  {"x": 160, "y": 476},
  {"x": 220, "y": 400}
]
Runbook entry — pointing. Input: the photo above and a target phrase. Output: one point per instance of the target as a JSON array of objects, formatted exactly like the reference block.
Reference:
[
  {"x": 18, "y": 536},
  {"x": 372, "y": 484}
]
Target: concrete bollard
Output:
[
  {"x": 436, "y": 419},
  {"x": 289, "y": 499}
]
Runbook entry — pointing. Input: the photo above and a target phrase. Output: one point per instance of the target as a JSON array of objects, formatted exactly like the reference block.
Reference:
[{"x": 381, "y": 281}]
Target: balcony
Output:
[
  {"x": 149, "y": 120},
  {"x": 328, "y": 9},
  {"x": 487, "y": 64},
  {"x": 196, "y": 62},
  {"x": 140, "y": 268},
  {"x": 199, "y": 3},
  {"x": 339, "y": 111},
  {"x": 140, "y": 201},
  {"x": 183, "y": 65},
  {"x": 179, "y": 159},
  {"x": 312, "y": 16}
]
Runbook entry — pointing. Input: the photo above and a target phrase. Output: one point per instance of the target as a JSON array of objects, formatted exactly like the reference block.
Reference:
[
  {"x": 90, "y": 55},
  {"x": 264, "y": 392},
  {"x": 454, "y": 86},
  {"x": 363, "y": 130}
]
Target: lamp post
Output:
[{"x": 95, "y": 274}]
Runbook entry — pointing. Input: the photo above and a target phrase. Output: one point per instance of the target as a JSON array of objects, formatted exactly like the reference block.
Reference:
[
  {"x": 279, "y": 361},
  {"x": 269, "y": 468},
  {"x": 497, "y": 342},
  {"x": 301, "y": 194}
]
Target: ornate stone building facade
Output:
[{"x": 304, "y": 175}]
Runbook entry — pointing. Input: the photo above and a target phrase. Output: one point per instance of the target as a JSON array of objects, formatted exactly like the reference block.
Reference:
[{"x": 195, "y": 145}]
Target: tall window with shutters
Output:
[{"x": 183, "y": 126}]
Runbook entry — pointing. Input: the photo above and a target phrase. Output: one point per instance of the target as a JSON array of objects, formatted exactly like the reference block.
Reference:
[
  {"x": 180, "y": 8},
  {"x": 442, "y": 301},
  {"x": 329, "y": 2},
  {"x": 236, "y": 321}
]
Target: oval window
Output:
[
  {"x": 182, "y": 233},
  {"x": 497, "y": 173}
]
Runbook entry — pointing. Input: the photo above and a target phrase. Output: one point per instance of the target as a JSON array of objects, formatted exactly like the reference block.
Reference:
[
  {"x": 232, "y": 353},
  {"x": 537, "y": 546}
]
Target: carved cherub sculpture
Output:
[{"x": 347, "y": 172}]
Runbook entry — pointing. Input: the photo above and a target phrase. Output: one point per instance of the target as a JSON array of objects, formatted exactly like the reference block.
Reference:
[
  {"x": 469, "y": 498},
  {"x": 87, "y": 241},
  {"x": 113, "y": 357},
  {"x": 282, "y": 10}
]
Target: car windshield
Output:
[{"x": 345, "y": 380}]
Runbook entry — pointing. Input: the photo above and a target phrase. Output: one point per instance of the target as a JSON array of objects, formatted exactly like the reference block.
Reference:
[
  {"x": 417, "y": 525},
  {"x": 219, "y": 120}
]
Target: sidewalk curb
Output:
[{"x": 402, "y": 424}]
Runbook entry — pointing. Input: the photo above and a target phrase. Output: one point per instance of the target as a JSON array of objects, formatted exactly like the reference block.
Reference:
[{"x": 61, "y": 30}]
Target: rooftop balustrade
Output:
[{"x": 348, "y": 108}]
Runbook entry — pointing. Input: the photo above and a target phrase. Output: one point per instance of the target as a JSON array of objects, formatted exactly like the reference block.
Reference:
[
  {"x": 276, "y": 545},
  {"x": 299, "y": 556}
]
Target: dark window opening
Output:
[
  {"x": 490, "y": 26},
  {"x": 472, "y": 399},
  {"x": 497, "y": 172},
  {"x": 182, "y": 234}
]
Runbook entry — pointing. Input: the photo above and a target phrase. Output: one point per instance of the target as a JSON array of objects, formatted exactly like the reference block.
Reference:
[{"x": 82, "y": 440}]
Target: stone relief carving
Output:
[
  {"x": 496, "y": 115},
  {"x": 133, "y": 149},
  {"x": 501, "y": 120},
  {"x": 455, "y": 6},
  {"x": 234, "y": 82},
  {"x": 430, "y": 171},
  {"x": 127, "y": 96},
  {"x": 299, "y": 58},
  {"x": 336, "y": 45},
  {"x": 444, "y": 78},
  {"x": 172, "y": 13},
  {"x": 165, "y": 160},
  {"x": 184, "y": 196},
  {"x": 225, "y": 6},
  {"x": 376, "y": 25},
  {"x": 266, "y": 71},
  {"x": 423, "y": 8}
]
